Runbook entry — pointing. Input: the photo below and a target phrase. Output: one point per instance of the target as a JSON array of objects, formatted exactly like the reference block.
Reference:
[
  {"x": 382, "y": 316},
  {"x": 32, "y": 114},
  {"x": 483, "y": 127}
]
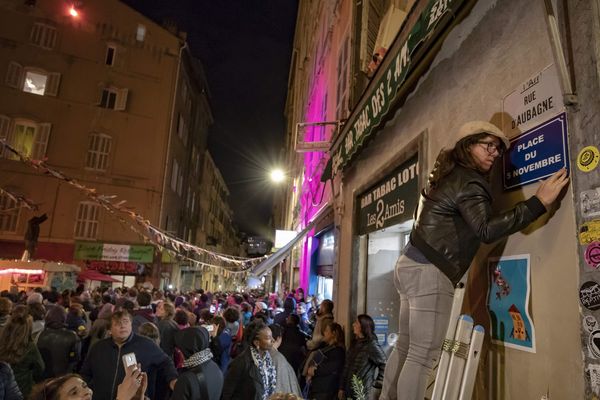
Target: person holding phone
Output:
[
  {"x": 326, "y": 365},
  {"x": 103, "y": 367}
]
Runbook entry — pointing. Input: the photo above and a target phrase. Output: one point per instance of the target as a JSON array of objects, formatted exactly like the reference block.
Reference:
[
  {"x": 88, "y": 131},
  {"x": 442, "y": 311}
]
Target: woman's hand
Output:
[
  {"x": 551, "y": 187},
  {"x": 134, "y": 380}
]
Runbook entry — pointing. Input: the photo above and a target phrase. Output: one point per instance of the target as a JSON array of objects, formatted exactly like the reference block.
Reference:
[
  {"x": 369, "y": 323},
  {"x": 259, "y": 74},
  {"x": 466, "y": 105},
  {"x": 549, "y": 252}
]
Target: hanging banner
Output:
[
  {"x": 113, "y": 252},
  {"x": 392, "y": 200},
  {"x": 370, "y": 113},
  {"x": 508, "y": 302}
]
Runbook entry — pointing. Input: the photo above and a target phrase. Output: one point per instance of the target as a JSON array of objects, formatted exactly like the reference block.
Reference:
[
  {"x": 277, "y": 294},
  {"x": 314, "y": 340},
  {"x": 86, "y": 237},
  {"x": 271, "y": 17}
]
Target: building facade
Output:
[
  {"x": 527, "y": 67},
  {"x": 109, "y": 98}
]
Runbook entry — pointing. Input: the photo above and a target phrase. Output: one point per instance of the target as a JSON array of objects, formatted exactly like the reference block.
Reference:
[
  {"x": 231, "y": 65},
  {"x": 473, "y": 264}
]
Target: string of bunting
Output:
[
  {"x": 19, "y": 199},
  {"x": 153, "y": 234}
]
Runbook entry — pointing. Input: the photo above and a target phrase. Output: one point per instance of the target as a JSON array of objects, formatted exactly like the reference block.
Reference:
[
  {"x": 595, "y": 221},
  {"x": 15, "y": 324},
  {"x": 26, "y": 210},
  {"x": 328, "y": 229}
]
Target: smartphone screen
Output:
[{"x": 129, "y": 360}]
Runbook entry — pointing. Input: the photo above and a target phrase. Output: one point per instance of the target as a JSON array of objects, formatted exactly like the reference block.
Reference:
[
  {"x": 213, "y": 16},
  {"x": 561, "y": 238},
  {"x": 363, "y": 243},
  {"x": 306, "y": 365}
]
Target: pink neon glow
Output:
[
  {"x": 21, "y": 271},
  {"x": 312, "y": 191}
]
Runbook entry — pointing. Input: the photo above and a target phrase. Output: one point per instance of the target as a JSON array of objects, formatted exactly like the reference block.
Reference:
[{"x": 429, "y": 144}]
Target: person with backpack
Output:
[{"x": 201, "y": 377}]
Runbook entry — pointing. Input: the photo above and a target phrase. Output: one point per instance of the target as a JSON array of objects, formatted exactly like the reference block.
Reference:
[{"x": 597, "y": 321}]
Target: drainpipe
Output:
[{"x": 164, "y": 185}]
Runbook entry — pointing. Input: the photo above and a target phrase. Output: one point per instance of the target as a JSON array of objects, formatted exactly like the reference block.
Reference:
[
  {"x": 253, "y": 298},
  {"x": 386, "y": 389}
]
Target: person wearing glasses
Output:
[{"x": 453, "y": 217}]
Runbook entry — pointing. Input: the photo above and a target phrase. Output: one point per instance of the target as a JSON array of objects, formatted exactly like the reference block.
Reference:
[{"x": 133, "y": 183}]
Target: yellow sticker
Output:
[
  {"x": 588, "y": 158},
  {"x": 589, "y": 232}
]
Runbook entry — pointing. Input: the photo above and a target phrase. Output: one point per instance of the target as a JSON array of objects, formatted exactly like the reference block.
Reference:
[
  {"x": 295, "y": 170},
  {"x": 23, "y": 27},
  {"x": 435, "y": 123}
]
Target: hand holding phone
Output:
[{"x": 129, "y": 360}]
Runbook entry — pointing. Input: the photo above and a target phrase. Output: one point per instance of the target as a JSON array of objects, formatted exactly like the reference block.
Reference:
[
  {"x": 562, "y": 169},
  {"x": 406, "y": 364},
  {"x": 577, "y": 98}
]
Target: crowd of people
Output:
[{"x": 137, "y": 343}]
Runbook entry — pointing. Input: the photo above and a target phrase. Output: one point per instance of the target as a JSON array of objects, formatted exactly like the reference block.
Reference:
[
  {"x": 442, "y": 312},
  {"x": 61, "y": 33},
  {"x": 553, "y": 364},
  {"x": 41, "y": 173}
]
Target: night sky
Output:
[{"x": 245, "y": 47}]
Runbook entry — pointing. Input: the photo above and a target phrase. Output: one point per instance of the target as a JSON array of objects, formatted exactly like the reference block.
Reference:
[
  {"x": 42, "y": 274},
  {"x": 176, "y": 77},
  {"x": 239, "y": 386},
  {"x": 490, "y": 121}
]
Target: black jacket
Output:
[
  {"x": 242, "y": 380},
  {"x": 362, "y": 359},
  {"x": 103, "y": 367},
  {"x": 9, "y": 390},
  {"x": 60, "y": 350},
  {"x": 293, "y": 345},
  {"x": 188, "y": 387},
  {"x": 325, "y": 382},
  {"x": 454, "y": 218}
]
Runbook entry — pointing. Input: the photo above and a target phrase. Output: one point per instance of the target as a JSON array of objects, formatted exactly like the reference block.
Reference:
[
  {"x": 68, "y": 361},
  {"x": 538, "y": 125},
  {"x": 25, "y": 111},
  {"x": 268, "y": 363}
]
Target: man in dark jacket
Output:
[
  {"x": 60, "y": 347},
  {"x": 293, "y": 345},
  {"x": 144, "y": 313},
  {"x": 103, "y": 368}
]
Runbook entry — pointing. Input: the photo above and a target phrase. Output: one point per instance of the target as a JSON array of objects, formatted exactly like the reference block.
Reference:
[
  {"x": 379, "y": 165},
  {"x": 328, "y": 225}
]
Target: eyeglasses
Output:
[{"x": 491, "y": 147}]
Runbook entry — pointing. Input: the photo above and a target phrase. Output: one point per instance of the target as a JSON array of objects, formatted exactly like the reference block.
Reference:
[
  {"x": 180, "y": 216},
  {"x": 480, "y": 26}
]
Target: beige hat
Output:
[{"x": 475, "y": 127}]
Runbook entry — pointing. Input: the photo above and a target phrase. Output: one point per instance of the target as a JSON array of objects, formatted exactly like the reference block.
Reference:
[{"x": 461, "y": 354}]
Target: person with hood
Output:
[
  {"x": 453, "y": 218},
  {"x": 289, "y": 307},
  {"x": 252, "y": 375},
  {"x": 324, "y": 318},
  {"x": 59, "y": 347},
  {"x": 201, "y": 377},
  {"x": 144, "y": 311},
  {"x": 365, "y": 360}
]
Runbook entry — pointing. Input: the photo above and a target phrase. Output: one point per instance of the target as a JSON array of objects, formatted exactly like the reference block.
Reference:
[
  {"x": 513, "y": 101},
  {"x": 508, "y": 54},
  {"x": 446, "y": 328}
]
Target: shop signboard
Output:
[
  {"x": 113, "y": 252},
  {"x": 381, "y": 329},
  {"x": 371, "y": 112},
  {"x": 392, "y": 200},
  {"x": 537, "y": 153}
]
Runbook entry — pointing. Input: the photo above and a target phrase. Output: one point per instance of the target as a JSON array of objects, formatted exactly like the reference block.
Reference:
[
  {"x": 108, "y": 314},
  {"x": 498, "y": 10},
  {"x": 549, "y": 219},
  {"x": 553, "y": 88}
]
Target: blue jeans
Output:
[{"x": 425, "y": 303}]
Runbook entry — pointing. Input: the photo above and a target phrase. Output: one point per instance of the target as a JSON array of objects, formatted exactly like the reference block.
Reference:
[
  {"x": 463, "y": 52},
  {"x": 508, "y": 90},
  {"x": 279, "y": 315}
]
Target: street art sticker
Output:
[
  {"x": 593, "y": 371},
  {"x": 594, "y": 344},
  {"x": 589, "y": 232},
  {"x": 589, "y": 295},
  {"x": 589, "y": 323},
  {"x": 588, "y": 158},
  {"x": 590, "y": 203},
  {"x": 508, "y": 302},
  {"x": 592, "y": 254}
]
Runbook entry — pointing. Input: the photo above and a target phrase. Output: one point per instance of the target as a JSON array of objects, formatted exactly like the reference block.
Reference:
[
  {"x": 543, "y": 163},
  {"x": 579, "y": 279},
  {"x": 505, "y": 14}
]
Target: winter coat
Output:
[
  {"x": 293, "y": 345},
  {"x": 325, "y": 383},
  {"x": 167, "y": 329},
  {"x": 141, "y": 316},
  {"x": 29, "y": 369},
  {"x": 289, "y": 306},
  {"x": 455, "y": 217},
  {"x": 103, "y": 367},
  {"x": 243, "y": 380},
  {"x": 221, "y": 349},
  {"x": 60, "y": 350},
  {"x": 362, "y": 359},
  {"x": 9, "y": 390},
  {"x": 287, "y": 382}
]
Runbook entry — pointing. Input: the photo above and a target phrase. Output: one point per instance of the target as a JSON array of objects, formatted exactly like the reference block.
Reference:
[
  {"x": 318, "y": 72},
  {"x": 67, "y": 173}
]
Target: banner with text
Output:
[
  {"x": 392, "y": 200},
  {"x": 114, "y": 252}
]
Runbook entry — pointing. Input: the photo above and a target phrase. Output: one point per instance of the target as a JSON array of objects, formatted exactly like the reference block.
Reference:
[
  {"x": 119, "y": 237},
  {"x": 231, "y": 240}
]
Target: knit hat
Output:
[
  {"x": 192, "y": 340},
  {"x": 475, "y": 127},
  {"x": 34, "y": 297}
]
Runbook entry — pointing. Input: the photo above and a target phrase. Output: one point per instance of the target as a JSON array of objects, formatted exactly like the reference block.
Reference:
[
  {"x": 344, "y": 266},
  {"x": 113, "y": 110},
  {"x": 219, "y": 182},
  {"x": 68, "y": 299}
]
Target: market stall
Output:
[{"x": 23, "y": 275}]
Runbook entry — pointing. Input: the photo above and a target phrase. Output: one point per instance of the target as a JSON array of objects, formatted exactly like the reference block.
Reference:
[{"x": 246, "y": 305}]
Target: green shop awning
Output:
[
  {"x": 390, "y": 82},
  {"x": 114, "y": 252}
]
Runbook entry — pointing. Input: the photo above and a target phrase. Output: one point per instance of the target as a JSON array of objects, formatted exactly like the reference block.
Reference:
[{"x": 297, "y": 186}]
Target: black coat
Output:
[
  {"x": 243, "y": 380},
  {"x": 363, "y": 358},
  {"x": 188, "y": 388},
  {"x": 455, "y": 217},
  {"x": 9, "y": 390},
  {"x": 326, "y": 381},
  {"x": 293, "y": 345},
  {"x": 60, "y": 350},
  {"x": 103, "y": 368}
]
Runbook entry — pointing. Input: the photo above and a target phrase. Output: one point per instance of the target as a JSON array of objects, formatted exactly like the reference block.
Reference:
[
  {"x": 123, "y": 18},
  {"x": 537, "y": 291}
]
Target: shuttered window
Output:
[{"x": 87, "y": 220}]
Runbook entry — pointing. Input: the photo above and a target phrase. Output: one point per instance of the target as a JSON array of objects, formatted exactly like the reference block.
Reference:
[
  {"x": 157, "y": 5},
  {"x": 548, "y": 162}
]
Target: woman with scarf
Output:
[
  {"x": 201, "y": 377},
  {"x": 252, "y": 375}
]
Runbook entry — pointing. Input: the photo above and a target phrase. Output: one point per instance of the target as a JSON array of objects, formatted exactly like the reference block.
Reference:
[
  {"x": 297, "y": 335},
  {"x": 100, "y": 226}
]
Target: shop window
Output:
[
  {"x": 9, "y": 214},
  {"x": 43, "y": 35},
  {"x": 87, "y": 220},
  {"x": 98, "y": 152},
  {"x": 28, "y": 137}
]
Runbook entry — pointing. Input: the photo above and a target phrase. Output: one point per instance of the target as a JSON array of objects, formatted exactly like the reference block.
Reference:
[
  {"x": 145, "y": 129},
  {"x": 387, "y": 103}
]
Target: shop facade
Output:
[{"x": 479, "y": 56}]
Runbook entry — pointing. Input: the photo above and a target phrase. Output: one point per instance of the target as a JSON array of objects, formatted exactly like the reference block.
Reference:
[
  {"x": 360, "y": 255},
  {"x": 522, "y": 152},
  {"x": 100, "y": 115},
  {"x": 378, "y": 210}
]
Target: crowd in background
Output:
[{"x": 196, "y": 345}]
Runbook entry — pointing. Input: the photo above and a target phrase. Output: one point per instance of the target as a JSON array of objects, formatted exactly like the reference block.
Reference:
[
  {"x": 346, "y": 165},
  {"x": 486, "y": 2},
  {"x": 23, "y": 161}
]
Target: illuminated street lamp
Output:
[
  {"x": 73, "y": 11},
  {"x": 277, "y": 176}
]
